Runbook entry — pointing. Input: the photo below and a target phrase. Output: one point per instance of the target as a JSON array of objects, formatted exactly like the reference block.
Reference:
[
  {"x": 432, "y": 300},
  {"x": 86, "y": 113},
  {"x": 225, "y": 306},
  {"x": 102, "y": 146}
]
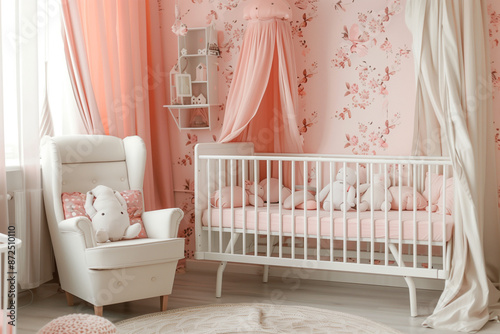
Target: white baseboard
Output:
[{"x": 315, "y": 274}]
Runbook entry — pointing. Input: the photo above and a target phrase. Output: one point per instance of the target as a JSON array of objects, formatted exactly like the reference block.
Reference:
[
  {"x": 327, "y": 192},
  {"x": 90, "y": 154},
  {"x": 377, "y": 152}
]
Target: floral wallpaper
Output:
[
  {"x": 355, "y": 78},
  {"x": 494, "y": 31}
]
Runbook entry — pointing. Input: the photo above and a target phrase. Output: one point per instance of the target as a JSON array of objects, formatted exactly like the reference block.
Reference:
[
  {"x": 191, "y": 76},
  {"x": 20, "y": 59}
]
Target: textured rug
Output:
[{"x": 251, "y": 318}]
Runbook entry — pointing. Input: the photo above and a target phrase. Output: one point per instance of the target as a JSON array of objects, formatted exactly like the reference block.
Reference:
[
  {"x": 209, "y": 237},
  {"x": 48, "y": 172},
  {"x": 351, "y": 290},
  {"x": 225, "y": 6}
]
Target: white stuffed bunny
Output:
[
  {"x": 378, "y": 185},
  {"x": 109, "y": 215},
  {"x": 333, "y": 193}
]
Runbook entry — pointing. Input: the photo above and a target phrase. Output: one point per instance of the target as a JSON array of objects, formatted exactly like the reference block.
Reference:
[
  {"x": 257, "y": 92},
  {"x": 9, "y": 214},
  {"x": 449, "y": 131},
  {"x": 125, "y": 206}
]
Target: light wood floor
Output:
[{"x": 388, "y": 305}]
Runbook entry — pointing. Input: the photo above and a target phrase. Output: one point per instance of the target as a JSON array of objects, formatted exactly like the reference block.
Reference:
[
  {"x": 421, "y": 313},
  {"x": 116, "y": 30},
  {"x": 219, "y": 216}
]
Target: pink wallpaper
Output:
[{"x": 356, "y": 78}]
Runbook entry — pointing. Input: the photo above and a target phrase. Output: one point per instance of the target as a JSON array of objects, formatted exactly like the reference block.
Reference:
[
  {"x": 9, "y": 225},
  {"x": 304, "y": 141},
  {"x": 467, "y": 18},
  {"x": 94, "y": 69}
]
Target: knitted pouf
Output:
[{"x": 79, "y": 323}]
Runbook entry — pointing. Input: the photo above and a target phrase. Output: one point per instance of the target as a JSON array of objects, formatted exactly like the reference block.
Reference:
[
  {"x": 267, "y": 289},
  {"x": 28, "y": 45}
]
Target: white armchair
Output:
[{"x": 112, "y": 272}]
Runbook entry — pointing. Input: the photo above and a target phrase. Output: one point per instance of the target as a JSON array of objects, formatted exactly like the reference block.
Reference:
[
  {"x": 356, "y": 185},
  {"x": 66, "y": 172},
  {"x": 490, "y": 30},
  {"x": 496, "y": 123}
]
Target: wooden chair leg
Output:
[
  {"x": 69, "y": 299},
  {"x": 163, "y": 303},
  {"x": 98, "y": 310}
]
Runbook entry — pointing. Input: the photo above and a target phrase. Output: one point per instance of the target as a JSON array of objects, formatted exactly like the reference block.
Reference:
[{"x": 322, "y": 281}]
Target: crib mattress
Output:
[{"x": 422, "y": 223}]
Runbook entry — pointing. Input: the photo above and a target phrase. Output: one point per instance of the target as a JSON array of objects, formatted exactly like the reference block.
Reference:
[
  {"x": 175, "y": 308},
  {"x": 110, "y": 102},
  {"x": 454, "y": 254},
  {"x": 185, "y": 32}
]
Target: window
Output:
[{"x": 9, "y": 69}]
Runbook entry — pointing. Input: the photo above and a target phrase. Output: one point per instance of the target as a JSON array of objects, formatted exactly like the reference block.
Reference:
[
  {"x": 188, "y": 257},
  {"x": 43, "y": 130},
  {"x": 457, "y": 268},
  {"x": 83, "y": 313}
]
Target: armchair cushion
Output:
[
  {"x": 133, "y": 253},
  {"x": 73, "y": 206}
]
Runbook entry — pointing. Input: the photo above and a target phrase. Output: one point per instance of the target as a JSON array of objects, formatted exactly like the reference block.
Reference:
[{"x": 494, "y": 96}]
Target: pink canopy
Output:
[{"x": 262, "y": 102}]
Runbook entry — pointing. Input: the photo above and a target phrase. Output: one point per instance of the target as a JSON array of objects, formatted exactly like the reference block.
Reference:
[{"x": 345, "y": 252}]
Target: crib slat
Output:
[
  {"x": 280, "y": 203},
  {"x": 332, "y": 232},
  {"x": 305, "y": 211},
  {"x": 209, "y": 192},
  {"x": 232, "y": 175},
  {"x": 372, "y": 220},
  {"x": 429, "y": 238},
  {"x": 318, "y": 221},
  {"x": 386, "y": 221},
  {"x": 293, "y": 209},
  {"x": 220, "y": 206},
  {"x": 400, "y": 213},
  {"x": 444, "y": 214},
  {"x": 344, "y": 165},
  {"x": 256, "y": 221},
  {"x": 268, "y": 235},
  {"x": 244, "y": 198},
  {"x": 414, "y": 217},
  {"x": 358, "y": 219}
]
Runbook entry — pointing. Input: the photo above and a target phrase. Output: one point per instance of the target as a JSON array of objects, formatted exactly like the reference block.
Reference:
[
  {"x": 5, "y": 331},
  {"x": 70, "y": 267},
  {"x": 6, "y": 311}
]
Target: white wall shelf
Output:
[{"x": 186, "y": 115}]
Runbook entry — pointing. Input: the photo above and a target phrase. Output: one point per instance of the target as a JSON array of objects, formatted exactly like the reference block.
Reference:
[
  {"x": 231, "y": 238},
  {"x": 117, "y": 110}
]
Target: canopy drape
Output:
[
  {"x": 454, "y": 117},
  {"x": 262, "y": 101}
]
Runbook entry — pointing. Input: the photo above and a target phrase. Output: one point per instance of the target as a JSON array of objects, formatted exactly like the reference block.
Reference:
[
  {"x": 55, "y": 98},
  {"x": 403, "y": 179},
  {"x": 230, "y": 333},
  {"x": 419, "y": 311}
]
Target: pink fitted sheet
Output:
[{"x": 422, "y": 223}]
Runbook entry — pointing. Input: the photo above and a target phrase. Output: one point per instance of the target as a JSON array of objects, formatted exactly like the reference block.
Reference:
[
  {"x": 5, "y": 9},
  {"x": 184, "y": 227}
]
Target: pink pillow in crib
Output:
[
  {"x": 298, "y": 198},
  {"x": 436, "y": 185},
  {"x": 73, "y": 206},
  {"x": 406, "y": 199},
  {"x": 436, "y": 198},
  {"x": 225, "y": 199},
  {"x": 450, "y": 198}
]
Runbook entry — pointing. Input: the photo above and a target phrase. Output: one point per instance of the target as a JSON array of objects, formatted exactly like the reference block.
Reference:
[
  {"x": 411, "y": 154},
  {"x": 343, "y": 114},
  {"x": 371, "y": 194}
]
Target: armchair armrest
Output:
[
  {"x": 82, "y": 226},
  {"x": 162, "y": 224}
]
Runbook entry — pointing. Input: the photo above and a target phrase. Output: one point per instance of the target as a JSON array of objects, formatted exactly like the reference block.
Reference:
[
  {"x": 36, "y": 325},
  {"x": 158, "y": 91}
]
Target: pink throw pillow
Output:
[
  {"x": 298, "y": 203},
  {"x": 406, "y": 199},
  {"x": 450, "y": 198},
  {"x": 436, "y": 185},
  {"x": 73, "y": 206},
  {"x": 225, "y": 198},
  {"x": 437, "y": 193}
]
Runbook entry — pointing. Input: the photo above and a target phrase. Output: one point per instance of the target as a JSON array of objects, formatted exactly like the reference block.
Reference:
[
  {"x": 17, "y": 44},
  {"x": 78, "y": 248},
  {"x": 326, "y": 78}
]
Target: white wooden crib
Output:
[{"x": 394, "y": 242}]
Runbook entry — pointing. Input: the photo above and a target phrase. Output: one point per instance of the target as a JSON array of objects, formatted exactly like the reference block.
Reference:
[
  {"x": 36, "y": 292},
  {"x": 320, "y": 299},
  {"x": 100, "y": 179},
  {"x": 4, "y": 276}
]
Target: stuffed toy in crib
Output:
[
  {"x": 224, "y": 198},
  {"x": 250, "y": 189},
  {"x": 378, "y": 185},
  {"x": 274, "y": 190},
  {"x": 109, "y": 215},
  {"x": 333, "y": 193}
]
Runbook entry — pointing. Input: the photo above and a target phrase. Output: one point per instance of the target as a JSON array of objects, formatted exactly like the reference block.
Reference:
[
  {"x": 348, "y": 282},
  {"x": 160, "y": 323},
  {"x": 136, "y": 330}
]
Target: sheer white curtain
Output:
[
  {"x": 23, "y": 76},
  {"x": 451, "y": 51},
  {"x": 3, "y": 175}
]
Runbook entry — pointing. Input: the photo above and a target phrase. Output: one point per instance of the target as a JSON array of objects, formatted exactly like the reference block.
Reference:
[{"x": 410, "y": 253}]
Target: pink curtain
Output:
[
  {"x": 78, "y": 68},
  {"x": 122, "y": 40},
  {"x": 262, "y": 101}
]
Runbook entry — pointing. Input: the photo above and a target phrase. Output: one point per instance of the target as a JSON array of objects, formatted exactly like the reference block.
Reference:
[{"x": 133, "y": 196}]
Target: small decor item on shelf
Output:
[
  {"x": 183, "y": 85},
  {"x": 173, "y": 72},
  {"x": 202, "y": 51},
  {"x": 198, "y": 118},
  {"x": 213, "y": 49},
  {"x": 201, "y": 72},
  {"x": 200, "y": 99},
  {"x": 212, "y": 44},
  {"x": 184, "y": 51},
  {"x": 179, "y": 28}
]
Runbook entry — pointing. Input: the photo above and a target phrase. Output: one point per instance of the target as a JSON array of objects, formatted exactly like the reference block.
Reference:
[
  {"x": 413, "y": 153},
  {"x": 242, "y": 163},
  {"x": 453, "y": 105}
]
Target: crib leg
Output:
[
  {"x": 265, "y": 277},
  {"x": 222, "y": 266},
  {"x": 409, "y": 281},
  {"x": 218, "y": 284},
  {"x": 413, "y": 296}
]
